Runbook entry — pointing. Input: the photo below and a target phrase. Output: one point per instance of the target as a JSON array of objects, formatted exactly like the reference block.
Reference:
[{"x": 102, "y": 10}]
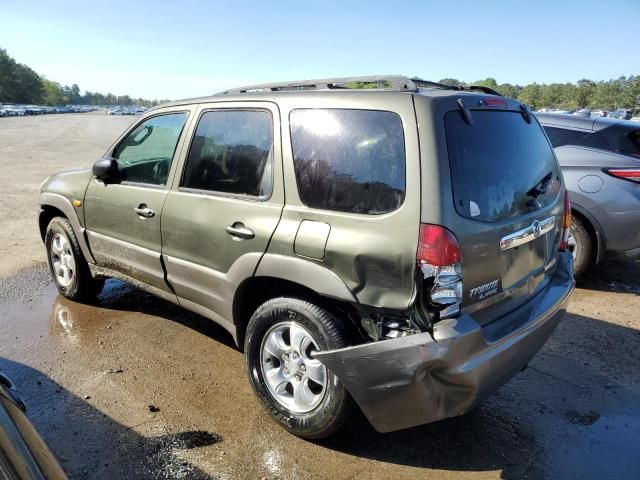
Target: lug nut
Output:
[
  {"x": 298, "y": 377},
  {"x": 303, "y": 368},
  {"x": 295, "y": 355}
]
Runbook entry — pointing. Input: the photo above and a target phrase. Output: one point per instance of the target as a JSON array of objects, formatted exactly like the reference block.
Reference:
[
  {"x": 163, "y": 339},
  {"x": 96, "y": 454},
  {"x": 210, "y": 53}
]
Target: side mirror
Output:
[{"x": 106, "y": 169}]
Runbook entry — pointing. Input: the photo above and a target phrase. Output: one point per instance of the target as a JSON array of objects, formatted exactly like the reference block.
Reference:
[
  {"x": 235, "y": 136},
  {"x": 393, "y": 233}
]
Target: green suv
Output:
[{"x": 388, "y": 242}]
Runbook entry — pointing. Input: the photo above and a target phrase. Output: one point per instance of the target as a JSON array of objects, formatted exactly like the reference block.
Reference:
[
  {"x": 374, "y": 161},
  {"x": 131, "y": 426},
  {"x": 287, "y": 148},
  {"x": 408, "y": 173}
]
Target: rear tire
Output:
[
  {"x": 581, "y": 246},
  {"x": 68, "y": 267},
  {"x": 297, "y": 391}
]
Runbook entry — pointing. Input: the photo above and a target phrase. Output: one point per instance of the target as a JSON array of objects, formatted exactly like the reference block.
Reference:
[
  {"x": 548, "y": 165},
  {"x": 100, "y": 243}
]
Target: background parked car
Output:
[
  {"x": 622, "y": 114},
  {"x": 600, "y": 160}
]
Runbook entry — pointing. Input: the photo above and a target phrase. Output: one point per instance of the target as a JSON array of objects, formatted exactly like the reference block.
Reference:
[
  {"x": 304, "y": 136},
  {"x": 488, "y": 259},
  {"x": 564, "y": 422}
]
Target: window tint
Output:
[
  {"x": 349, "y": 160},
  {"x": 231, "y": 153},
  {"x": 501, "y": 166},
  {"x": 619, "y": 138},
  {"x": 563, "y": 136},
  {"x": 145, "y": 155}
]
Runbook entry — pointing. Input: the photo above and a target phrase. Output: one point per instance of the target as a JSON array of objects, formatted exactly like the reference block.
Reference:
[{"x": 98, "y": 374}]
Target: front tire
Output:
[
  {"x": 68, "y": 267},
  {"x": 298, "y": 391}
]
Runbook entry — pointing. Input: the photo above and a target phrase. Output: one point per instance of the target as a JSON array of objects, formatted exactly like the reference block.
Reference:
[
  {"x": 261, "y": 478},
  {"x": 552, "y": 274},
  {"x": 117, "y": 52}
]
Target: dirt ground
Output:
[{"x": 134, "y": 387}]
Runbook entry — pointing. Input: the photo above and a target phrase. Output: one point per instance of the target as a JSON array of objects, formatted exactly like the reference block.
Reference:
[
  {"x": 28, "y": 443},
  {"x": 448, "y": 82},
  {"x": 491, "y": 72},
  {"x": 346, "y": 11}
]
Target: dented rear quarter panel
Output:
[{"x": 374, "y": 255}]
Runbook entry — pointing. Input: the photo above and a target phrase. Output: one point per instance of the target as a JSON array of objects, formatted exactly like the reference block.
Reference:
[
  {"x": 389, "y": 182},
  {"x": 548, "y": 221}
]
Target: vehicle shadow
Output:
[
  {"x": 575, "y": 413},
  {"x": 89, "y": 444},
  {"x": 572, "y": 414},
  {"x": 121, "y": 296},
  {"x": 613, "y": 276}
]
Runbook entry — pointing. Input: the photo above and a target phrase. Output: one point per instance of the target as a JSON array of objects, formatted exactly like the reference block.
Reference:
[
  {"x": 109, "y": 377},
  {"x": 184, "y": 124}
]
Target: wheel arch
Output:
[
  {"x": 53, "y": 205},
  {"x": 594, "y": 229},
  {"x": 48, "y": 213},
  {"x": 256, "y": 290}
]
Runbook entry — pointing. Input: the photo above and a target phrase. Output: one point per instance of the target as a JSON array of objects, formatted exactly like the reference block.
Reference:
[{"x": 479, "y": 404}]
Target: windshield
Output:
[{"x": 501, "y": 166}]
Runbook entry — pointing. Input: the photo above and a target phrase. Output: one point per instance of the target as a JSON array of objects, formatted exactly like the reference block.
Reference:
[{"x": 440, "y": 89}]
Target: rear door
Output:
[
  {"x": 224, "y": 205},
  {"x": 507, "y": 193}
]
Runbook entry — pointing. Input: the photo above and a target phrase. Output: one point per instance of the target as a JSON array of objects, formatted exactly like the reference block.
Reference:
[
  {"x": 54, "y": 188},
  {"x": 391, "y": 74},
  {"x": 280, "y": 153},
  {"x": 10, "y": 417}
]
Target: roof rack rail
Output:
[
  {"x": 393, "y": 83},
  {"x": 396, "y": 83}
]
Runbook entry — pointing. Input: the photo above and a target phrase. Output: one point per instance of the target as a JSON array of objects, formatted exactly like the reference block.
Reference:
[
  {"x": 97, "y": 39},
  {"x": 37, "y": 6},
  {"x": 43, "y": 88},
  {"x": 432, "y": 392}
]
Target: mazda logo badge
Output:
[{"x": 537, "y": 229}]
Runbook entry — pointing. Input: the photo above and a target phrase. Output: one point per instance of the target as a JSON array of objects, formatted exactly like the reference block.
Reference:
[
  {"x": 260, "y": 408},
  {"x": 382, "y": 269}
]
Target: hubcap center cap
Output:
[{"x": 293, "y": 366}]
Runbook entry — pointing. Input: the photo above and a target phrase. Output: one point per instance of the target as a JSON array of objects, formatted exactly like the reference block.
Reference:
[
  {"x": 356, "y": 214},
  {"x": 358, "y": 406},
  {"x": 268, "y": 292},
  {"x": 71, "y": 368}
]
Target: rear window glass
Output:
[
  {"x": 501, "y": 166},
  {"x": 349, "y": 160}
]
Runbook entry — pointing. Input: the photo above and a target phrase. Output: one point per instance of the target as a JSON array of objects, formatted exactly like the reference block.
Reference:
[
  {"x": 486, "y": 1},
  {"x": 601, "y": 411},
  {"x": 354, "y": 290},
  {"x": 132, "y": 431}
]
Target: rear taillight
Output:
[
  {"x": 439, "y": 260},
  {"x": 566, "y": 223},
  {"x": 632, "y": 174}
]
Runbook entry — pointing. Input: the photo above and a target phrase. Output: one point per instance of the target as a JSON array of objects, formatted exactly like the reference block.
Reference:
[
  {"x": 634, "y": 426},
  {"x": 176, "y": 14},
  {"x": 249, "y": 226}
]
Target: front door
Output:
[
  {"x": 123, "y": 218},
  {"x": 224, "y": 206}
]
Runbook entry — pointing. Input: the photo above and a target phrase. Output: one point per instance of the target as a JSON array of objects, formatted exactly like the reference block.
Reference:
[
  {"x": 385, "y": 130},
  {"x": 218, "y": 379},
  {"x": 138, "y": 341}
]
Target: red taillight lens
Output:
[
  {"x": 437, "y": 246},
  {"x": 566, "y": 223},
  {"x": 632, "y": 174}
]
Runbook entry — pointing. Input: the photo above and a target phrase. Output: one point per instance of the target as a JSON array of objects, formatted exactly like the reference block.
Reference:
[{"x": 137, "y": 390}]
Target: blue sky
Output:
[{"x": 177, "y": 49}]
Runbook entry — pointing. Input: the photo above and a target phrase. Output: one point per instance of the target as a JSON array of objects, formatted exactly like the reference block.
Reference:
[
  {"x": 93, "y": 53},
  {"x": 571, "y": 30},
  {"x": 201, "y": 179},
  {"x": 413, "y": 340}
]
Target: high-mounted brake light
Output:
[
  {"x": 495, "y": 102},
  {"x": 632, "y": 174},
  {"x": 566, "y": 223},
  {"x": 438, "y": 257}
]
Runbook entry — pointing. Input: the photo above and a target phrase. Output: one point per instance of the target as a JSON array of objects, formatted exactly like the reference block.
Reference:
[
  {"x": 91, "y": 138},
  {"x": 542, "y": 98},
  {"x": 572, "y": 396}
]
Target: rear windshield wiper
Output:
[{"x": 541, "y": 187}]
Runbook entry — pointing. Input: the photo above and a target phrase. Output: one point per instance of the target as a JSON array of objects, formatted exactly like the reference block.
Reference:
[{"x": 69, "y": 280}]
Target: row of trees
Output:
[
  {"x": 623, "y": 92},
  {"x": 20, "y": 84}
]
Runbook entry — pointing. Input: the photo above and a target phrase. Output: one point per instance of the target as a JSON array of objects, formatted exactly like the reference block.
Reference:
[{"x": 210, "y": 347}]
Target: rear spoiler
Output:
[{"x": 466, "y": 88}]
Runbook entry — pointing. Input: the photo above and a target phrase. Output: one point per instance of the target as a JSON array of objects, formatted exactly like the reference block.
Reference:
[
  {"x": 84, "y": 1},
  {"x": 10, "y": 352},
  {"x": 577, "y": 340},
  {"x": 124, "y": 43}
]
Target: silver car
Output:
[{"x": 600, "y": 161}]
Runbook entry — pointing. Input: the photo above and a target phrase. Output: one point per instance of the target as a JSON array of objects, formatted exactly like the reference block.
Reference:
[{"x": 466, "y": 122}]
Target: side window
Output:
[
  {"x": 349, "y": 160},
  {"x": 619, "y": 138},
  {"x": 563, "y": 136},
  {"x": 231, "y": 152},
  {"x": 145, "y": 155}
]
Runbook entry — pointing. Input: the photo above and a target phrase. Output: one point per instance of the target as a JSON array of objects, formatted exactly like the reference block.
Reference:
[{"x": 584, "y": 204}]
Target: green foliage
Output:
[
  {"x": 53, "y": 94},
  {"x": 20, "y": 84},
  {"x": 452, "y": 82},
  {"x": 623, "y": 92},
  {"x": 367, "y": 85}
]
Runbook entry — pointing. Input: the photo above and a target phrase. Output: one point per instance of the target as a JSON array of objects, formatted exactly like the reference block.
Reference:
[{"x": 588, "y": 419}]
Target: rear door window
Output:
[
  {"x": 231, "y": 153},
  {"x": 619, "y": 138},
  {"x": 563, "y": 136},
  {"x": 349, "y": 160},
  {"x": 501, "y": 166}
]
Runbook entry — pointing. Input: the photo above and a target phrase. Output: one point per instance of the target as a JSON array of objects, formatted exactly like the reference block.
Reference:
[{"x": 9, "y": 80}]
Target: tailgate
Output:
[{"x": 507, "y": 191}]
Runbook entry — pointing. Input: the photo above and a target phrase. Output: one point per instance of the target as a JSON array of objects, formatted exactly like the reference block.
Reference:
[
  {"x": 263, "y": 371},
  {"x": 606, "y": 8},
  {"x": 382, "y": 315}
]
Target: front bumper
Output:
[{"x": 422, "y": 378}]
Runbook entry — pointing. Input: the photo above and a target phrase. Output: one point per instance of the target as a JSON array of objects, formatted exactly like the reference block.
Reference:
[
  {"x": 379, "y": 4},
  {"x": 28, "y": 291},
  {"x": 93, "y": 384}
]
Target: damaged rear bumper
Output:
[{"x": 422, "y": 378}]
